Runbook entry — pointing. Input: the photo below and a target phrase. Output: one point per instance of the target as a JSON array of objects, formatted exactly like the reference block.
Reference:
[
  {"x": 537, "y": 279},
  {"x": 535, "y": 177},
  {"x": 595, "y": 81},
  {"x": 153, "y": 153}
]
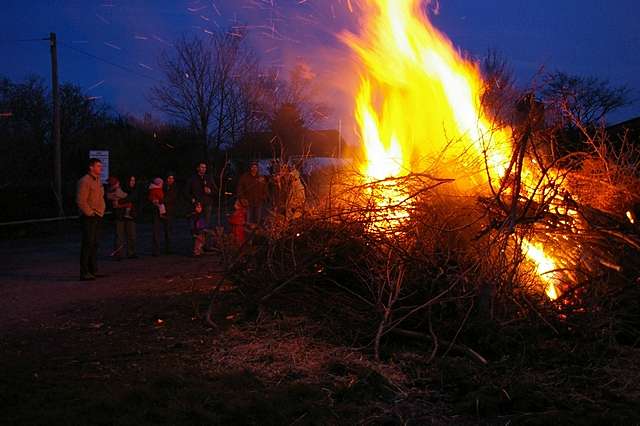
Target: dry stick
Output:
[
  {"x": 526, "y": 299},
  {"x": 424, "y": 305},
  {"x": 348, "y": 290},
  {"x": 287, "y": 282},
  {"x": 391, "y": 299},
  {"x": 376, "y": 344},
  {"x": 584, "y": 131},
  {"x": 622, "y": 237},
  {"x": 518, "y": 179},
  {"x": 211, "y": 303},
  {"x": 279, "y": 287},
  {"x": 434, "y": 338},
  {"x": 464, "y": 321},
  {"x": 503, "y": 182},
  {"x": 216, "y": 289},
  {"x": 458, "y": 346}
]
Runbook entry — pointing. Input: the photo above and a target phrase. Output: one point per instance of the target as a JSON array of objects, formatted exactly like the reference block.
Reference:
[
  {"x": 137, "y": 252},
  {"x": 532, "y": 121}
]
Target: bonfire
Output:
[
  {"x": 451, "y": 213},
  {"x": 419, "y": 109}
]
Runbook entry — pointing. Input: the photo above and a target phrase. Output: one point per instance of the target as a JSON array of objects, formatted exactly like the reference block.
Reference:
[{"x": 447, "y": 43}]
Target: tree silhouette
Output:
[
  {"x": 208, "y": 87},
  {"x": 288, "y": 128},
  {"x": 585, "y": 100}
]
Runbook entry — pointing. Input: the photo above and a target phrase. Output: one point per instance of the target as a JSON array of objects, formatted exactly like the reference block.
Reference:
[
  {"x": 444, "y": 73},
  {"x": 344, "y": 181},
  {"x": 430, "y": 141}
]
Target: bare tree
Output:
[
  {"x": 585, "y": 100},
  {"x": 188, "y": 93},
  {"x": 211, "y": 85},
  {"x": 299, "y": 90},
  {"x": 500, "y": 91},
  {"x": 237, "y": 74}
]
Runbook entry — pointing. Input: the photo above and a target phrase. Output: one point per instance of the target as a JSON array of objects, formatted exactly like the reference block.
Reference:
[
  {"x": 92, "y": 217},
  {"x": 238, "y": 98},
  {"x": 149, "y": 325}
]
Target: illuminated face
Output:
[
  {"x": 202, "y": 169},
  {"x": 132, "y": 181},
  {"x": 198, "y": 208},
  {"x": 96, "y": 169},
  {"x": 254, "y": 169},
  {"x": 170, "y": 180}
]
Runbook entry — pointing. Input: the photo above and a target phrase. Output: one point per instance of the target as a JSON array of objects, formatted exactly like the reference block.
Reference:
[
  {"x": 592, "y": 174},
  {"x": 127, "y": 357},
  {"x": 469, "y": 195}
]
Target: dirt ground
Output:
[{"x": 132, "y": 348}]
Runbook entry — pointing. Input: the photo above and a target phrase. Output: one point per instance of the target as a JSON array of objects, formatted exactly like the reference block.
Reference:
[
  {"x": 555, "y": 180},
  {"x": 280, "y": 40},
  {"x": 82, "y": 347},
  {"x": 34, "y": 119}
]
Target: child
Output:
[
  {"x": 115, "y": 194},
  {"x": 238, "y": 219},
  {"x": 198, "y": 229},
  {"x": 156, "y": 196}
]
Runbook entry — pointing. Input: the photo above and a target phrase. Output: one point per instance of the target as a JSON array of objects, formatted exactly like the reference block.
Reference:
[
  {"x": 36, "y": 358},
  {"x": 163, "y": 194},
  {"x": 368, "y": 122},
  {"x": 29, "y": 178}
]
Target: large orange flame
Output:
[
  {"x": 419, "y": 98},
  {"x": 418, "y": 107}
]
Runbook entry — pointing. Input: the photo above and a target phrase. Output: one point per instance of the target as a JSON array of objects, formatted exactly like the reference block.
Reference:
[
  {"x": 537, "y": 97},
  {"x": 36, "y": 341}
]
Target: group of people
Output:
[
  {"x": 125, "y": 204},
  {"x": 282, "y": 194}
]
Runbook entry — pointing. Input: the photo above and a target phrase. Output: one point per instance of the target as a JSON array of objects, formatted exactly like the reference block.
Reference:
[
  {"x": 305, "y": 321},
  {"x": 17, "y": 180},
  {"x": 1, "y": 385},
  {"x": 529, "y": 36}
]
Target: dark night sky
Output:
[{"x": 587, "y": 37}]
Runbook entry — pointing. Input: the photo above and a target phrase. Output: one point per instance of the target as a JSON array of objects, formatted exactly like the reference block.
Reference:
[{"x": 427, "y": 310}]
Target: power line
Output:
[
  {"x": 113, "y": 64},
  {"x": 83, "y": 52},
  {"x": 19, "y": 40}
]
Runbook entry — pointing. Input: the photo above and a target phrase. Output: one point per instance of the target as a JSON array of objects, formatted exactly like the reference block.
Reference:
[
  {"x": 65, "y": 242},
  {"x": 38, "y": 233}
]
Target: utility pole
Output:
[{"x": 55, "y": 94}]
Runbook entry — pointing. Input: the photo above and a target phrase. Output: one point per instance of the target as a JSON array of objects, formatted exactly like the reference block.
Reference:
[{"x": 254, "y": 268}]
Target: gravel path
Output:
[{"x": 39, "y": 276}]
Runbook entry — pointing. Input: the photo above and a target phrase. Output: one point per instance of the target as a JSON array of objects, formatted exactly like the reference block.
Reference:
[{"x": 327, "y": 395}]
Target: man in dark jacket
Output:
[
  {"x": 166, "y": 224},
  {"x": 201, "y": 189},
  {"x": 253, "y": 188},
  {"x": 90, "y": 201}
]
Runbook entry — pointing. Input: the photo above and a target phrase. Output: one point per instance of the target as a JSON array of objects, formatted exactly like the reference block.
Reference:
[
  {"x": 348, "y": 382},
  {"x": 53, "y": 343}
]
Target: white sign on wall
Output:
[{"x": 103, "y": 156}]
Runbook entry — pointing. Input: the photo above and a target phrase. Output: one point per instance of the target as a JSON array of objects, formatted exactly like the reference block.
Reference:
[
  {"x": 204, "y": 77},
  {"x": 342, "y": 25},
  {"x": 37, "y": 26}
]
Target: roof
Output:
[{"x": 631, "y": 126}]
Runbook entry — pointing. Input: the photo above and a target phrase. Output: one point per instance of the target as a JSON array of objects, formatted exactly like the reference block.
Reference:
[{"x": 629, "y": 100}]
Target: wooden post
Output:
[{"x": 55, "y": 94}]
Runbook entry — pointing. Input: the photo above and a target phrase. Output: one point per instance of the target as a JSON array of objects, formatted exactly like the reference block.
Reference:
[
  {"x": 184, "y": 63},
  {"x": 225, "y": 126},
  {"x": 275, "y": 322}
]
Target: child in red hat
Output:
[
  {"x": 156, "y": 196},
  {"x": 238, "y": 219}
]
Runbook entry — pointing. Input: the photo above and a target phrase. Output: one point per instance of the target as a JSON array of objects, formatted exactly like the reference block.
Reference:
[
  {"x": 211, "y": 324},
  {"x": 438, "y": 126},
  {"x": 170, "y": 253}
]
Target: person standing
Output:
[
  {"x": 90, "y": 201},
  {"x": 116, "y": 196},
  {"x": 237, "y": 220},
  {"x": 201, "y": 190},
  {"x": 198, "y": 229},
  {"x": 296, "y": 195},
  {"x": 253, "y": 188},
  {"x": 165, "y": 224},
  {"x": 133, "y": 200},
  {"x": 159, "y": 215}
]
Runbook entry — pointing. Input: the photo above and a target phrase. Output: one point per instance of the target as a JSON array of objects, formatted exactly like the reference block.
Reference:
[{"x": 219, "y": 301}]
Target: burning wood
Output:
[
  {"x": 418, "y": 107},
  {"x": 449, "y": 215}
]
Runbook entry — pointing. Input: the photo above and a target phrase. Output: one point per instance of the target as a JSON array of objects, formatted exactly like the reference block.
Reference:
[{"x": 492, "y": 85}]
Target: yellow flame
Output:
[
  {"x": 418, "y": 106},
  {"x": 383, "y": 161},
  {"x": 631, "y": 217},
  {"x": 419, "y": 99},
  {"x": 545, "y": 267}
]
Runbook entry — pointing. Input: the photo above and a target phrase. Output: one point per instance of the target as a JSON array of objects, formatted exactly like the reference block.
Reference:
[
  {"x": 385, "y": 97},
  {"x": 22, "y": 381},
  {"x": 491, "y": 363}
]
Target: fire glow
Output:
[{"x": 418, "y": 107}]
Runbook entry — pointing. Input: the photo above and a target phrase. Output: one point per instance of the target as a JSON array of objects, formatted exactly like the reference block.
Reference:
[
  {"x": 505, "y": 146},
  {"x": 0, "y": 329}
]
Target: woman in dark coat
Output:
[
  {"x": 165, "y": 224},
  {"x": 129, "y": 222}
]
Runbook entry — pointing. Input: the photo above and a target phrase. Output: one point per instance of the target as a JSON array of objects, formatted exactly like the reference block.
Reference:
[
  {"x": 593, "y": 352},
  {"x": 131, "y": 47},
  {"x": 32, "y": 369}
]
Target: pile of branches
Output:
[
  {"x": 433, "y": 277},
  {"x": 363, "y": 281},
  {"x": 444, "y": 268}
]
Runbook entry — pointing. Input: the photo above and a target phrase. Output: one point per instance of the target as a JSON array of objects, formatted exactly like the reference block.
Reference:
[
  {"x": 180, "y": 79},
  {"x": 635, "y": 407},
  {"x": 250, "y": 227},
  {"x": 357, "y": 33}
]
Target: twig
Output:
[{"x": 458, "y": 346}]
